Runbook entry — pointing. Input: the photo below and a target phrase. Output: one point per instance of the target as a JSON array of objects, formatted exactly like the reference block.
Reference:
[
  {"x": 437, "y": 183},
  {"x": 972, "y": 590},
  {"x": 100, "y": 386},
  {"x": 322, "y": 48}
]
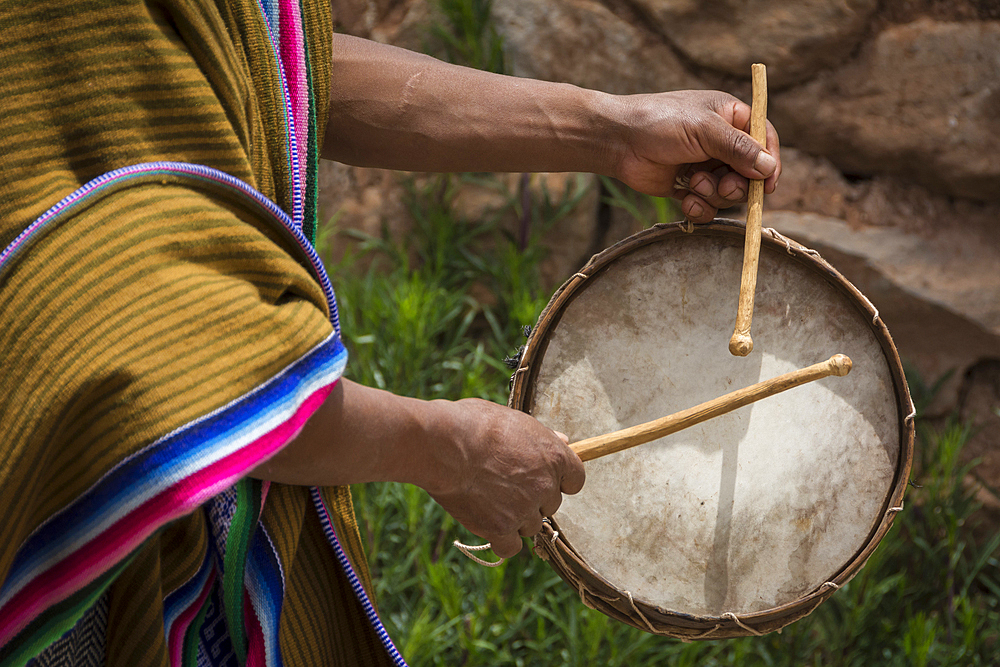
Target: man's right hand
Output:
[{"x": 501, "y": 472}]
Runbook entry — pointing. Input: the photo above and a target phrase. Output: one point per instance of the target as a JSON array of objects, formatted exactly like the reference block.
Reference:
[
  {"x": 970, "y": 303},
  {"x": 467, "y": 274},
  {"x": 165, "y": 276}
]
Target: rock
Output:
[
  {"x": 584, "y": 43},
  {"x": 370, "y": 200},
  {"x": 979, "y": 401},
  {"x": 360, "y": 199},
  {"x": 407, "y": 25},
  {"x": 794, "y": 39},
  {"x": 403, "y": 23},
  {"x": 359, "y": 17},
  {"x": 921, "y": 101},
  {"x": 813, "y": 184},
  {"x": 938, "y": 293},
  {"x": 569, "y": 237}
]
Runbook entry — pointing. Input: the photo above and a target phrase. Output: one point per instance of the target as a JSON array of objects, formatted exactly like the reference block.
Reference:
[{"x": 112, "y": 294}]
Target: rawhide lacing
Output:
[
  {"x": 641, "y": 615},
  {"x": 575, "y": 581},
  {"x": 736, "y": 619},
  {"x": 875, "y": 318},
  {"x": 468, "y": 549},
  {"x": 778, "y": 237}
]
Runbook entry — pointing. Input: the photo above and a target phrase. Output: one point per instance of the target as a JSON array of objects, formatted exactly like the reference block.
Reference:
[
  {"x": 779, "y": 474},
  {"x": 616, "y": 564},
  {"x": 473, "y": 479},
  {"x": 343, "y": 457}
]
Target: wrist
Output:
[
  {"x": 609, "y": 128},
  {"x": 431, "y": 455}
]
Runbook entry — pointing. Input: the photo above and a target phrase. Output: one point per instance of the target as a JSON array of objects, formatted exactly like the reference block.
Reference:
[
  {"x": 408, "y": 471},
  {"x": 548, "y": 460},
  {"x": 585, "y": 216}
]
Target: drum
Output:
[{"x": 746, "y": 522}]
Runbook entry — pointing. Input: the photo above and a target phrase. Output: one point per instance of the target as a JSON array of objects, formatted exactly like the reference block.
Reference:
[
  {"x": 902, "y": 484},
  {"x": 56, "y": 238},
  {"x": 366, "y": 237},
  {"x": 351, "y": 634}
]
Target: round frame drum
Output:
[{"x": 747, "y": 522}]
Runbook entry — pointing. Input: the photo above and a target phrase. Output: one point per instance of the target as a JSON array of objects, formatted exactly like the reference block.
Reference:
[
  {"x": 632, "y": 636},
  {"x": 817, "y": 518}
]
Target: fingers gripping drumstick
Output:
[
  {"x": 741, "y": 343},
  {"x": 609, "y": 443}
]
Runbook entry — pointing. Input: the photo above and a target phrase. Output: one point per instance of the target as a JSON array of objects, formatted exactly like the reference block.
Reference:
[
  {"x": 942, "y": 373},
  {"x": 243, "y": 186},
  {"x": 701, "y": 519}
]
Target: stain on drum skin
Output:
[{"x": 746, "y": 512}]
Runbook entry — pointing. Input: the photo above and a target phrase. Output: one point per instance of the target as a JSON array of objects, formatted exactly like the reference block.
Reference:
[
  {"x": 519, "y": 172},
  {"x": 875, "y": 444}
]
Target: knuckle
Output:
[{"x": 744, "y": 148}]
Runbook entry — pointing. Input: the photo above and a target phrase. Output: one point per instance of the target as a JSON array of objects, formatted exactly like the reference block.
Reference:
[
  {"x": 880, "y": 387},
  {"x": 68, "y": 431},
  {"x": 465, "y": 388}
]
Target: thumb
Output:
[{"x": 722, "y": 141}]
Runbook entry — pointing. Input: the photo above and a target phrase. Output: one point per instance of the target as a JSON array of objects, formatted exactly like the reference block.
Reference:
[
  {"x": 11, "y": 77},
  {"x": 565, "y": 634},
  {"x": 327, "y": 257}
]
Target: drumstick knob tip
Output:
[
  {"x": 740, "y": 345},
  {"x": 840, "y": 364}
]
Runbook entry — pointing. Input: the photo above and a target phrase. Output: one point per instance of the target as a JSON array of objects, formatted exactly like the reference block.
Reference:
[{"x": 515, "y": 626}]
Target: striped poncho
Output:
[{"x": 165, "y": 326}]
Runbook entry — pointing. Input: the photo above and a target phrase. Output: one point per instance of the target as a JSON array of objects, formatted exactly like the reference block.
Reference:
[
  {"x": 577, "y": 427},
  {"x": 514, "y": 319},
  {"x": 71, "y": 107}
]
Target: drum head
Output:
[{"x": 748, "y": 512}]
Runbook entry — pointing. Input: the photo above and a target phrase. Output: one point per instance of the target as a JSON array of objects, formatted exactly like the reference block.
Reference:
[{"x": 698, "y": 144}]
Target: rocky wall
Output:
[{"x": 889, "y": 113}]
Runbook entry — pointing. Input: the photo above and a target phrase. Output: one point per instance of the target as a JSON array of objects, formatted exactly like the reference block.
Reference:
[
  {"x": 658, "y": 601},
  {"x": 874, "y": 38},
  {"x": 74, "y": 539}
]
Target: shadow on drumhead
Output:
[{"x": 750, "y": 510}]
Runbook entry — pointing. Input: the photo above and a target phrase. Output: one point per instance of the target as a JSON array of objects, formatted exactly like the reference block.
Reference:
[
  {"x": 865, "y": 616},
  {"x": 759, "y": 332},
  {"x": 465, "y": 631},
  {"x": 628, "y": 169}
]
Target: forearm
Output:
[
  {"x": 396, "y": 109},
  {"x": 361, "y": 434},
  {"x": 498, "y": 471}
]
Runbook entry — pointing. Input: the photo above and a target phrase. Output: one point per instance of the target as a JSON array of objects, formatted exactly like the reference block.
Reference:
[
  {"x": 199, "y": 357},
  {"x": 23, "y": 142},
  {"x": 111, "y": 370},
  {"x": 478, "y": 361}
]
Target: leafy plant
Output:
[
  {"x": 432, "y": 318},
  {"x": 646, "y": 209},
  {"x": 467, "y": 35}
]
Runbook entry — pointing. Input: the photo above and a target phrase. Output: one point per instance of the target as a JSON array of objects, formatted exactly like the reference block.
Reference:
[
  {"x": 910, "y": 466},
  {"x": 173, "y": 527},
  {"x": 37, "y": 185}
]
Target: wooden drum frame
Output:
[{"x": 751, "y": 520}]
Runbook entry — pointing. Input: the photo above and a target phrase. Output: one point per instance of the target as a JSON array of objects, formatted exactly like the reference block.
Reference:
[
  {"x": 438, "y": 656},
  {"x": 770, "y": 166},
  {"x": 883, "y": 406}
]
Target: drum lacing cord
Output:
[
  {"x": 522, "y": 369},
  {"x": 581, "y": 586},
  {"x": 584, "y": 593},
  {"x": 641, "y": 615},
  {"x": 819, "y": 600},
  {"x": 894, "y": 510},
  {"x": 539, "y": 551},
  {"x": 683, "y": 182},
  {"x": 729, "y": 616},
  {"x": 467, "y": 549},
  {"x": 913, "y": 413},
  {"x": 756, "y": 633},
  {"x": 736, "y": 619},
  {"x": 778, "y": 236},
  {"x": 705, "y": 635}
]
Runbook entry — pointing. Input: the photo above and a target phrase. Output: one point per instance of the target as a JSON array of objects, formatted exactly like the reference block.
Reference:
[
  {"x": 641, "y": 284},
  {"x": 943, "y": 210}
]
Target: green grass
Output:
[
  {"x": 434, "y": 318},
  {"x": 465, "y": 35},
  {"x": 928, "y": 596}
]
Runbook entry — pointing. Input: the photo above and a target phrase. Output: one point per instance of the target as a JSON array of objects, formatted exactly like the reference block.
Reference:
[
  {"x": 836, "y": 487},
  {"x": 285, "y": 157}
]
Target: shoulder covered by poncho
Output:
[{"x": 165, "y": 326}]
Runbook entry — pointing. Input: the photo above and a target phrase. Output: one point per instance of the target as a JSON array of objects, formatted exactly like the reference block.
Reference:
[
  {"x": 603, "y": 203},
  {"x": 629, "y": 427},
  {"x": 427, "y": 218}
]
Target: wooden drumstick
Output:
[
  {"x": 609, "y": 443},
  {"x": 741, "y": 343}
]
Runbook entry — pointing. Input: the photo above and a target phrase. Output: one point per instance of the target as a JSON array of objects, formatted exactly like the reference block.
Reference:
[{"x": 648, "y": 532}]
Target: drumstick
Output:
[
  {"x": 741, "y": 343},
  {"x": 609, "y": 443}
]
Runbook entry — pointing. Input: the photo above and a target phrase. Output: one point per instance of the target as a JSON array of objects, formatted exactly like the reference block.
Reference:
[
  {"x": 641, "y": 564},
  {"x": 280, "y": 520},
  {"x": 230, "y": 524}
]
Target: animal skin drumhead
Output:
[{"x": 747, "y": 511}]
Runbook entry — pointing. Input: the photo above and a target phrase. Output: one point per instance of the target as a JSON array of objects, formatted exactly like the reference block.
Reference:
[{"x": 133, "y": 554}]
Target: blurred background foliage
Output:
[{"x": 434, "y": 318}]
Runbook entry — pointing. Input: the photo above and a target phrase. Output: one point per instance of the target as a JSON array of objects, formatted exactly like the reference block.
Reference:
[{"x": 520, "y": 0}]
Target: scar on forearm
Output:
[{"x": 409, "y": 90}]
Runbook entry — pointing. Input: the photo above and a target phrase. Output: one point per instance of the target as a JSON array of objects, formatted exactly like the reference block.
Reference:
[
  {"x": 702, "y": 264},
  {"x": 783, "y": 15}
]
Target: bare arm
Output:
[
  {"x": 396, "y": 109},
  {"x": 496, "y": 470}
]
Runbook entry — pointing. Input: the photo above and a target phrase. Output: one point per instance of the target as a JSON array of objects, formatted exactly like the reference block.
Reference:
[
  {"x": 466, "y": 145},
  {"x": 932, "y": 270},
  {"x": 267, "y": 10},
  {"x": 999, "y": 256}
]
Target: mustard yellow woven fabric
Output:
[{"x": 143, "y": 315}]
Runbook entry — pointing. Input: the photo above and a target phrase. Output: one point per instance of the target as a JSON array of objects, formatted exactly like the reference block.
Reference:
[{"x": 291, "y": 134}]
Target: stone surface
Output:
[
  {"x": 938, "y": 293},
  {"x": 360, "y": 199},
  {"x": 980, "y": 406},
  {"x": 794, "y": 39},
  {"x": 913, "y": 116},
  {"x": 921, "y": 100},
  {"x": 813, "y": 184},
  {"x": 359, "y": 17},
  {"x": 568, "y": 239},
  {"x": 404, "y": 23},
  {"x": 370, "y": 200},
  {"x": 583, "y": 42}
]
